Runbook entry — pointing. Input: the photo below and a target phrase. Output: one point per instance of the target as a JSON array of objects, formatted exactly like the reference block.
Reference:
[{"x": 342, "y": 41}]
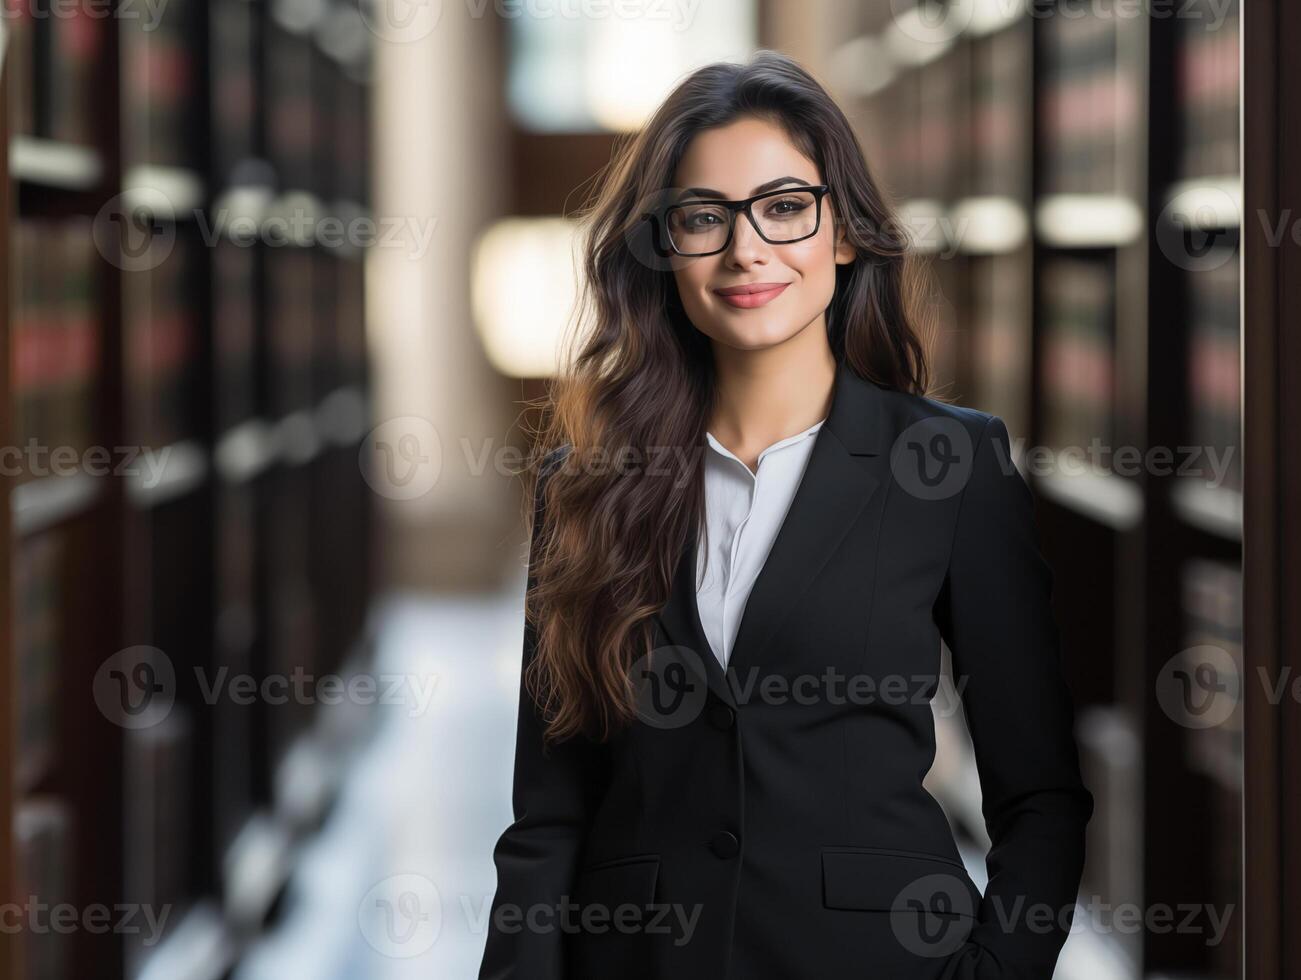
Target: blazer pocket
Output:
[
  {"x": 878, "y": 879},
  {"x": 618, "y": 881}
]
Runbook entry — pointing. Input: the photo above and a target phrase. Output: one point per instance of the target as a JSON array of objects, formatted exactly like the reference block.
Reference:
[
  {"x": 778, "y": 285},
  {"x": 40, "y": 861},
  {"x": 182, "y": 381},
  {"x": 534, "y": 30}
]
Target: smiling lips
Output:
[{"x": 752, "y": 294}]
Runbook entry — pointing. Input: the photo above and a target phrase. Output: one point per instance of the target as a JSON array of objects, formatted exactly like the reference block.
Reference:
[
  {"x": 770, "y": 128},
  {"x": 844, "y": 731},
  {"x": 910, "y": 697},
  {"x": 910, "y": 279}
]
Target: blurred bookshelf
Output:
[
  {"x": 1074, "y": 183},
  {"x": 211, "y": 387}
]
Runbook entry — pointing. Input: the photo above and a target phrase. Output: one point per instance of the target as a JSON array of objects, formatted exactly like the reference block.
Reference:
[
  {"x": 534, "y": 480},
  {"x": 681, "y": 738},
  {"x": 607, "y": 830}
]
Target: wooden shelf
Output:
[
  {"x": 926, "y": 221},
  {"x": 246, "y": 451},
  {"x": 174, "y": 193},
  {"x": 990, "y": 225},
  {"x": 1088, "y": 220},
  {"x": 1208, "y": 203},
  {"x": 341, "y": 416},
  {"x": 184, "y": 468},
  {"x": 1217, "y": 510},
  {"x": 1103, "y": 497},
  {"x": 65, "y": 166},
  {"x": 47, "y": 501}
]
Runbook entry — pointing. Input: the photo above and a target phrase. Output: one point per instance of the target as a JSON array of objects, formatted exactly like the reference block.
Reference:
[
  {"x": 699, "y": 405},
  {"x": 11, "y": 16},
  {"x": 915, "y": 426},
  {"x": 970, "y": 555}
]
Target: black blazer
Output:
[{"x": 772, "y": 823}]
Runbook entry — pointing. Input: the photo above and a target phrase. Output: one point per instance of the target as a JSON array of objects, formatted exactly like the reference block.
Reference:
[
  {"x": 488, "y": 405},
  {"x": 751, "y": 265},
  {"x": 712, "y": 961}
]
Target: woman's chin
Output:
[{"x": 757, "y": 336}]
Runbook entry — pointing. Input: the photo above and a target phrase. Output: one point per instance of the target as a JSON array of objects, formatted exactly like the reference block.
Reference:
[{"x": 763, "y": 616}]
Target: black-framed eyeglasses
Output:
[{"x": 705, "y": 227}]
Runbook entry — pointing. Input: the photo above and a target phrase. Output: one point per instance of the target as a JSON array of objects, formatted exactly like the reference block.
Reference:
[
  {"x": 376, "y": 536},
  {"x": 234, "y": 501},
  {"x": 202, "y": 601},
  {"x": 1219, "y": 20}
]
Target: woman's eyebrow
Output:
[{"x": 768, "y": 186}]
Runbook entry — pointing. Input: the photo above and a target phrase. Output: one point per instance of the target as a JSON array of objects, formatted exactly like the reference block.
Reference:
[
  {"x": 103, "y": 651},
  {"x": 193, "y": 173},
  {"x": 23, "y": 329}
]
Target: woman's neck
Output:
[{"x": 764, "y": 396}]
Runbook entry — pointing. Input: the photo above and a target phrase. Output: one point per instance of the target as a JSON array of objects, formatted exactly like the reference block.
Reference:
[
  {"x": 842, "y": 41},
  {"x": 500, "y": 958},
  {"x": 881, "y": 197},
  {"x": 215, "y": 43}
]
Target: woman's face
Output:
[{"x": 739, "y": 160}]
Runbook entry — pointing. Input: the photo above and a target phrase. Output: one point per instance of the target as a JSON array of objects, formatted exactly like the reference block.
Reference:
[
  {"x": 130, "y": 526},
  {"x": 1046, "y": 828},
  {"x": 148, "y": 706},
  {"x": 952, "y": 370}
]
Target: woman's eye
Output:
[
  {"x": 702, "y": 220},
  {"x": 784, "y": 209}
]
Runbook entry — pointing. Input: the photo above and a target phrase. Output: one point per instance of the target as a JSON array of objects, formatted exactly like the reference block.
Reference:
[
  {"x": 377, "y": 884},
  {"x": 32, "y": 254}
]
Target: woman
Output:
[{"x": 745, "y": 552}]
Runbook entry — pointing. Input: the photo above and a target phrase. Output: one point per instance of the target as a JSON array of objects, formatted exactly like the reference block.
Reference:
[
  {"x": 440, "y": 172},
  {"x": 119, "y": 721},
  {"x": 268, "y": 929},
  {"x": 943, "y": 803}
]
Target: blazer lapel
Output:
[{"x": 843, "y": 473}]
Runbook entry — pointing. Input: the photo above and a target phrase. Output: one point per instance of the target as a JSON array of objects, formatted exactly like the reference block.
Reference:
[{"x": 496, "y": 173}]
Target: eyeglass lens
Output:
[{"x": 703, "y": 227}]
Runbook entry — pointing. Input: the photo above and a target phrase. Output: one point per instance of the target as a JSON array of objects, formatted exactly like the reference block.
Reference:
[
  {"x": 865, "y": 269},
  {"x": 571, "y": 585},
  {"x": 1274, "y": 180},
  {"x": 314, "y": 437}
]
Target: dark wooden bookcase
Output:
[
  {"x": 241, "y": 363},
  {"x": 1077, "y": 193}
]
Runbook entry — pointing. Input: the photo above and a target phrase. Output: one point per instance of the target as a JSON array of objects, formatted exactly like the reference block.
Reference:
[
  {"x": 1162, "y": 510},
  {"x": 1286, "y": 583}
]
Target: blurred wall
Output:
[{"x": 440, "y": 169}]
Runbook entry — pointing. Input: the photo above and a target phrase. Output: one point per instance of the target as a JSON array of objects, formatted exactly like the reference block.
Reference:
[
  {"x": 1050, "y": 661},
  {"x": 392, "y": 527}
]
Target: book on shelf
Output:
[
  {"x": 56, "y": 345},
  {"x": 236, "y": 636},
  {"x": 351, "y": 315},
  {"x": 1208, "y": 90},
  {"x": 294, "y": 119},
  {"x": 77, "y": 39},
  {"x": 327, "y": 268},
  {"x": 1213, "y": 648},
  {"x": 53, "y": 57},
  {"x": 160, "y": 320},
  {"x": 37, "y": 640},
  {"x": 44, "y": 862},
  {"x": 1212, "y": 608},
  {"x": 1214, "y": 383},
  {"x": 233, "y": 26},
  {"x": 294, "y": 638},
  {"x": 160, "y": 85},
  {"x": 891, "y": 138},
  {"x": 234, "y": 324},
  {"x": 20, "y": 53},
  {"x": 350, "y": 144},
  {"x": 1088, "y": 104},
  {"x": 941, "y": 123},
  {"x": 1001, "y": 341},
  {"x": 1077, "y": 366},
  {"x": 1000, "y": 126},
  {"x": 291, "y": 273},
  {"x": 158, "y": 764},
  {"x": 1111, "y": 763}
]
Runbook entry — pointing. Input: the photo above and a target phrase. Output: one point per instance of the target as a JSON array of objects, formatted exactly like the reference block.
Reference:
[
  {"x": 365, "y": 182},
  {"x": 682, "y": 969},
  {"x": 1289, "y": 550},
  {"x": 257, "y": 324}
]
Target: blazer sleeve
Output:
[
  {"x": 553, "y": 796},
  {"x": 994, "y": 613}
]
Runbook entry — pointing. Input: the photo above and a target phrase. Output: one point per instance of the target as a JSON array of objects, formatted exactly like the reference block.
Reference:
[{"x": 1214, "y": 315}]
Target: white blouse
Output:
[{"x": 744, "y": 510}]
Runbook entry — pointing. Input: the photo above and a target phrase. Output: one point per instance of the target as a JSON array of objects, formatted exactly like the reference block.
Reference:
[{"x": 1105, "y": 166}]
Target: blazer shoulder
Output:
[{"x": 913, "y": 408}]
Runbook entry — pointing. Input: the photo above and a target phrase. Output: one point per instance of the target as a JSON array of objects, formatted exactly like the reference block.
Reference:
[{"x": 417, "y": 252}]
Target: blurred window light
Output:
[
  {"x": 989, "y": 225},
  {"x": 601, "y": 67},
  {"x": 862, "y": 66},
  {"x": 1088, "y": 220},
  {"x": 988, "y": 16},
  {"x": 524, "y": 283},
  {"x": 918, "y": 35},
  {"x": 926, "y": 222}
]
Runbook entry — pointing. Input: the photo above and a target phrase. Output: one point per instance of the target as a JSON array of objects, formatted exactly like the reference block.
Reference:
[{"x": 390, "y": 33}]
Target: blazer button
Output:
[
  {"x": 724, "y": 844},
  {"x": 721, "y": 716}
]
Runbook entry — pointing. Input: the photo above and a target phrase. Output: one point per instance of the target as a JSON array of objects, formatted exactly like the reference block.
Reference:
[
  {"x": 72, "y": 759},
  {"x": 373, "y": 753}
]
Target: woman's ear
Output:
[{"x": 845, "y": 251}]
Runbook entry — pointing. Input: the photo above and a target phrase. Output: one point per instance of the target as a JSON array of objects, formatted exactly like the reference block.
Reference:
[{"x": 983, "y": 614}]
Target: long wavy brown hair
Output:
[{"x": 616, "y": 509}]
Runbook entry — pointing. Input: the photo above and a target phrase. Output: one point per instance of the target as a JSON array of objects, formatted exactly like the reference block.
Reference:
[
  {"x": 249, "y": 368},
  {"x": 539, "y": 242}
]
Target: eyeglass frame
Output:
[{"x": 660, "y": 217}]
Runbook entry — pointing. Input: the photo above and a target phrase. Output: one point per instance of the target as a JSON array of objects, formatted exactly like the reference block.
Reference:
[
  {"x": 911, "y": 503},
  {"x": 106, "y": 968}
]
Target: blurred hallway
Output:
[
  {"x": 419, "y": 815},
  {"x": 334, "y": 422}
]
